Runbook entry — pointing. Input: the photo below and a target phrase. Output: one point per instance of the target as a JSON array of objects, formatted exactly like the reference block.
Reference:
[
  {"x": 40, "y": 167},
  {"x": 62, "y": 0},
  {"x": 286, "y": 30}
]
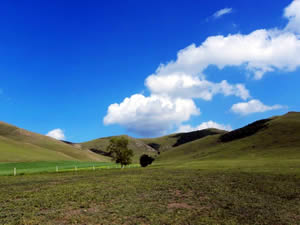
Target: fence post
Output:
[{"x": 15, "y": 171}]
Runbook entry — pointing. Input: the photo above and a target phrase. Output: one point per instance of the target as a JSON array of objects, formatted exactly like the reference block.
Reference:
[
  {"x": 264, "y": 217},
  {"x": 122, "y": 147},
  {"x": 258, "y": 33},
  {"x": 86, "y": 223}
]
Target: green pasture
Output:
[
  {"x": 153, "y": 195},
  {"x": 50, "y": 167}
]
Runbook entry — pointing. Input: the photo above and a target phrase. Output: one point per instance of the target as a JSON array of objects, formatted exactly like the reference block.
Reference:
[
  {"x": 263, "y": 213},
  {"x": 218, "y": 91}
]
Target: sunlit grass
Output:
[{"x": 52, "y": 167}]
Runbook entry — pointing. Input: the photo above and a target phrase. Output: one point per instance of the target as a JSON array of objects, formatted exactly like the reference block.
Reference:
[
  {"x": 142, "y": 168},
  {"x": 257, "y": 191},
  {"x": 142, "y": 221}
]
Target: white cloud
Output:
[
  {"x": 152, "y": 115},
  {"x": 253, "y": 106},
  {"x": 57, "y": 134},
  {"x": 204, "y": 125},
  {"x": 260, "y": 51},
  {"x": 292, "y": 13},
  {"x": 222, "y": 12},
  {"x": 174, "y": 85},
  {"x": 186, "y": 86}
]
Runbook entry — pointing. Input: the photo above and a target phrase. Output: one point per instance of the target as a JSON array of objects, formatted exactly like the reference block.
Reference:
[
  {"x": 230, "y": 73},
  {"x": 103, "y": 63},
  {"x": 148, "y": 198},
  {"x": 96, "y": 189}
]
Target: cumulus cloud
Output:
[
  {"x": 292, "y": 13},
  {"x": 202, "y": 126},
  {"x": 57, "y": 134},
  {"x": 259, "y": 52},
  {"x": 222, "y": 12},
  {"x": 176, "y": 84},
  {"x": 152, "y": 115},
  {"x": 252, "y": 106},
  {"x": 184, "y": 85}
]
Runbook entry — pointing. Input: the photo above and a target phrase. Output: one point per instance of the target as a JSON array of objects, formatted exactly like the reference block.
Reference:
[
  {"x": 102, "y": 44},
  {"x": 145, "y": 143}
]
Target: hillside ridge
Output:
[
  {"x": 277, "y": 138},
  {"x": 17, "y": 144}
]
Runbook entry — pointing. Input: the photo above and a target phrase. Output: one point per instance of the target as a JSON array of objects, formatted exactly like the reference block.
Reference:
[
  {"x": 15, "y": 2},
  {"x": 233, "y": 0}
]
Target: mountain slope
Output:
[
  {"x": 17, "y": 145},
  {"x": 278, "y": 138},
  {"x": 139, "y": 147},
  {"x": 166, "y": 143}
]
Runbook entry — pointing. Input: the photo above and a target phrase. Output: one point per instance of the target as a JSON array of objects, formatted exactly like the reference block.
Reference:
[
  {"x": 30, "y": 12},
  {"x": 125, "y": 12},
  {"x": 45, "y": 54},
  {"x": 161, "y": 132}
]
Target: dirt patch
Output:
[
  {"x": 178, "y": 193},
  {"x": 179, "y": 206}
]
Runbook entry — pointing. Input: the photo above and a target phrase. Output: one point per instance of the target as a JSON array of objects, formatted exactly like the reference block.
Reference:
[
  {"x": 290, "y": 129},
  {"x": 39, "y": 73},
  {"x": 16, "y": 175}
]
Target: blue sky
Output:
[{"x": 88, "y": 69}]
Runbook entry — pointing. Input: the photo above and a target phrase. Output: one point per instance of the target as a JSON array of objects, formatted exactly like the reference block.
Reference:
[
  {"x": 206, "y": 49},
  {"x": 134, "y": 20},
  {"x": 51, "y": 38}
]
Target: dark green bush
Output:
[{"x": 146, "y": 160}]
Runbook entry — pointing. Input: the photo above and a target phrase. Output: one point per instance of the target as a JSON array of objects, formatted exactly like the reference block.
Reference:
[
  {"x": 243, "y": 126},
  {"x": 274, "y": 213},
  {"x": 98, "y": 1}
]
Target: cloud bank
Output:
[
  {"x": 56, "y": 134},
  {"x": 175, "y": 86}
]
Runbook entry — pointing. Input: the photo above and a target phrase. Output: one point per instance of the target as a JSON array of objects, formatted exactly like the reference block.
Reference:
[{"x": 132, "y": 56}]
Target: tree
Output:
[
  {"x": 146, "y": 160},
  {"x": 118, "y": 149}
]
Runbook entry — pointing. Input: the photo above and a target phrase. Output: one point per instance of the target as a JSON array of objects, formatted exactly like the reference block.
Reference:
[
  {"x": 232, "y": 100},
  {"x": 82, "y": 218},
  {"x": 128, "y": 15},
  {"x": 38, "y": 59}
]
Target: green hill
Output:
[
  {"x": 166, "y": 143},
  {"x": 138, "y": 146},
  {"x": 19, "y": 145},
  {"x": 276, "y": 138}
]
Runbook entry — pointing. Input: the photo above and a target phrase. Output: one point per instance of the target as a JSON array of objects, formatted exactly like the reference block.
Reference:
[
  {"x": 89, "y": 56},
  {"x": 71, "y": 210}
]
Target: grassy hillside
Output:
[
  {"x": 138, "y": 146},
  {"x": 165, "y": 143},
  {"x": 19, "y": 145},
  {"x": 252, "y": 176},
  {"x": 278, "y": 139}
]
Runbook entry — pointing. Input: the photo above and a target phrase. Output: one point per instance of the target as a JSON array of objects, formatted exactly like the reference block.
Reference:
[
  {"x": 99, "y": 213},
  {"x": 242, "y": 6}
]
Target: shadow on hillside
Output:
[
  {"x": 195, "y": 135},
  {"x": 246, "y": 131}
]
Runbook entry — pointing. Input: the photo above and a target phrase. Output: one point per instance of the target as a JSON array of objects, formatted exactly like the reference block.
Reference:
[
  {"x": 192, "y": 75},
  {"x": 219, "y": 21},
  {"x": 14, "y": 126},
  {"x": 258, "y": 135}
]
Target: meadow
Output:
[
  {"x": 23, "y": 168},
  {"x": 153, "y": 195}
]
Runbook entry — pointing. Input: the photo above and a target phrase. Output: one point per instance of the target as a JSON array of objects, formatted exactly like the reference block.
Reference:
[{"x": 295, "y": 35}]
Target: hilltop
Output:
[
  {"x": 275, "y": 138},
  {"x": 19, "y": 145},
  {"x": 167, "y": 142}
]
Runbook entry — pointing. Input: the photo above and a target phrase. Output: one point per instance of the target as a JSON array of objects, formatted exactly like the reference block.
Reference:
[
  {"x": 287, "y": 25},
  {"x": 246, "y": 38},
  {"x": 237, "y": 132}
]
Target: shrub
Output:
[{"x": 146, "y": 160}]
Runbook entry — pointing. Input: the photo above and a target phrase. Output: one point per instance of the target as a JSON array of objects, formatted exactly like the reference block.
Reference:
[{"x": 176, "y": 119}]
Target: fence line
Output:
[{"x": 69, "y": 169}]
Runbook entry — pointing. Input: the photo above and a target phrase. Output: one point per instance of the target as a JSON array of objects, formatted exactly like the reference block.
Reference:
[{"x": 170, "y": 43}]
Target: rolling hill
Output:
[
  {"x": 167, "y": 142},
  {"x": 19, "y": 145},
  {"x": 273, "y": 138},
  {"x": 150, "y": 146},
  {"x": 138, "y": 146},
  {"x": 276, "y": 138}
]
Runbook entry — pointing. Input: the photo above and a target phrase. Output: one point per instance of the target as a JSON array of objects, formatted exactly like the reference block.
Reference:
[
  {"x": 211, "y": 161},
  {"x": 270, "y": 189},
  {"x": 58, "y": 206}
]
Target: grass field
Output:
[
  {"x": 50, "y": 167},
  {"x": 154, "y": 195}
]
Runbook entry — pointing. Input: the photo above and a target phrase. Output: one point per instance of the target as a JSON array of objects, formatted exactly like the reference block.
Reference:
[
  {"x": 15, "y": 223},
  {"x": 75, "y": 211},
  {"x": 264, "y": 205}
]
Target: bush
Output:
[{"x": 146, "y": 160}]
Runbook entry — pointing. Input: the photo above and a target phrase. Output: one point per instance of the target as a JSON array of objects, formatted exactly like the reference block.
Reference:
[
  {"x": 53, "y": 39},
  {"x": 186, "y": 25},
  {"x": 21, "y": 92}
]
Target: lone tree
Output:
[{"x": 118, "y": 149}]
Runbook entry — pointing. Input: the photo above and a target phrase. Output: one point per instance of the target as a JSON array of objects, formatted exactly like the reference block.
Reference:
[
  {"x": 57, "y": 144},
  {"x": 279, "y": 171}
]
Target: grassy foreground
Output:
[{"x": 154, "y": 195}]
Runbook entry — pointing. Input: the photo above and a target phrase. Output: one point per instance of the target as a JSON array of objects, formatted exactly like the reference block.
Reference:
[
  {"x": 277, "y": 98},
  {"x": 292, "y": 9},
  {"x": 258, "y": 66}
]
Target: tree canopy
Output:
[{"x": 118, "y": 149}]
